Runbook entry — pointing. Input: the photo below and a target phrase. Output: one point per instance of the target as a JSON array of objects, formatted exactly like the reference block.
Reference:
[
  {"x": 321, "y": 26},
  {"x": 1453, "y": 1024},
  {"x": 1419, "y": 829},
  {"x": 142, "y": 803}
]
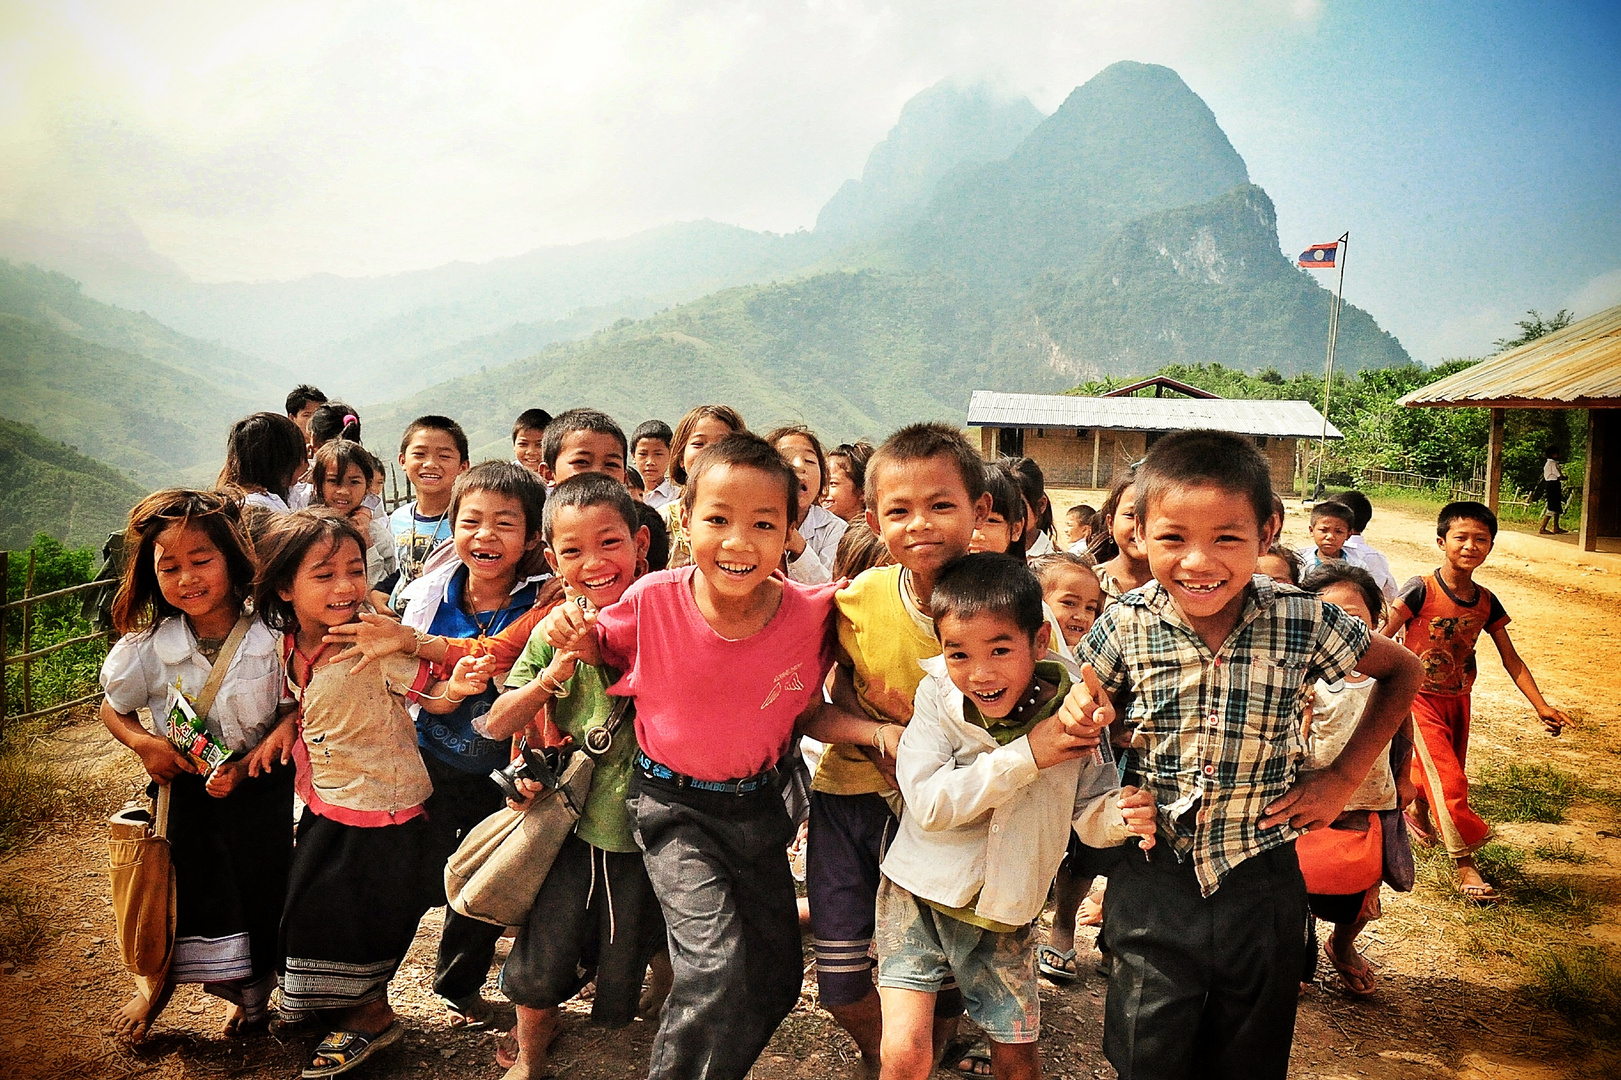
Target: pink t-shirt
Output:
[{"x": 706, "y": 706}]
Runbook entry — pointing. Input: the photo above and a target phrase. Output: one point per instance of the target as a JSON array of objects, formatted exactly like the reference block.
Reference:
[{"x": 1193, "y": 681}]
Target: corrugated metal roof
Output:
[
  {"x": 1279, "y": 419},
  {"x": 1577, "y": 367}
]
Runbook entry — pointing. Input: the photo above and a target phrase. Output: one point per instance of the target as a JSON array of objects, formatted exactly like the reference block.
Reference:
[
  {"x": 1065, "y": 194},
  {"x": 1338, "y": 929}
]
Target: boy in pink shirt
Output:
[{"x": 725, "y": 657}]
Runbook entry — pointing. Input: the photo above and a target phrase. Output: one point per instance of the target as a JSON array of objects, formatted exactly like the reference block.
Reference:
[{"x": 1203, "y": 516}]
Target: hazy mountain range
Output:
[{"x": 984, "y": 246}]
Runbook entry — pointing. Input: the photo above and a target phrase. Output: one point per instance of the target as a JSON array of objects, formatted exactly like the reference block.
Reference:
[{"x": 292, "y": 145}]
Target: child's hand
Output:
[
  {"x": 1406, "y": 790},
  {"x": 796, "y": 542},
  {"x": 1315, "y": 800},
  {"x": 1140, "y": 814},
  {"x": 372, "y": 638},
  {"x": 362, "y": 521},
  {"x": 470, "y": 677},
  {"x": 274, "y": 749},
  {"x": 562, "y": 667},
  {"x": 570, "y": 628},
  {"x": 1086, "y": 710},
  {"x": 225, "y": 777},
  {"x": 161, "y": 760},
  {"x": 1554, "y": 720},
  {"x": 1051, "y": 742},
  {"x": 529, "y": 788}
]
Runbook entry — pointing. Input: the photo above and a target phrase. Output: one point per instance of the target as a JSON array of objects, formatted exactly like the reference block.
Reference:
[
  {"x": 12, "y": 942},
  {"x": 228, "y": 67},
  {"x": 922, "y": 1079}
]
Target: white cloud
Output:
[{"x": 1602, "y": 291}]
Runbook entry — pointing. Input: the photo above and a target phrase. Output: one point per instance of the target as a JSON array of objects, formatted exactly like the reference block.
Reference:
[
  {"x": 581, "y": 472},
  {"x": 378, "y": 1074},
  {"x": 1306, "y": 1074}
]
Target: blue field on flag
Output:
[{"x": 1320, "y": 256}]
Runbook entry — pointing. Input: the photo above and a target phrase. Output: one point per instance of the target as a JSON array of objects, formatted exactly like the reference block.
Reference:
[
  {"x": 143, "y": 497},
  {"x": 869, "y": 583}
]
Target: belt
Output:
[{"x": 654, "y": 771}]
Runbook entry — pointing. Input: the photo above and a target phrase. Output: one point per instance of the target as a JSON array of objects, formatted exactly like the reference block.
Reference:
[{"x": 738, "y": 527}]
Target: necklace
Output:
[
  {"x": 484, "y": 627},
  {"x": 911, "y": 591},
  {"x": 416, "y": 560},
  {"x": 1032, "y": 694}
]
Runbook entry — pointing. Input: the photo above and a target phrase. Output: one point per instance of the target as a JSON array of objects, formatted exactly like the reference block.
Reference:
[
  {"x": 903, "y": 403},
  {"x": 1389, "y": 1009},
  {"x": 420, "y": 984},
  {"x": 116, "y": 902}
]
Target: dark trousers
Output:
[
  {"x": 459, "y": 801},
  {"x": 719, "y": 866},
  {"x": 1203, "y": 986}
]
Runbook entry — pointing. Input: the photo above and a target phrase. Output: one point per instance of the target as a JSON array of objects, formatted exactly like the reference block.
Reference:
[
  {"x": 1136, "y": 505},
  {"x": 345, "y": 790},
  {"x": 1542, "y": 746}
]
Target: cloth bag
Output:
[
  {"x": 139, "y": 862},
  {"x": 498, "y": 869}
]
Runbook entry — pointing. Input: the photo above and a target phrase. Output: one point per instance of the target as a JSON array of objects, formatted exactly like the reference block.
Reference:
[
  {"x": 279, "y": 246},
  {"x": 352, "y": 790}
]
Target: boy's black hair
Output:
[
  {"x": 264, "y": 450},
  {"x": 919, "y": 442},
  {"x": 633, "y": 479},
  {"x": 1034, "y": 486},
  {"x": 1219, "y": 459},
  {"x": 1470, "y": 511},
  {"x": 334, "y": 420},
  {"x": 1361, "y": 509},
  {"x": 1007, "y": 501},
  {"x": 503, "y": 478},
  {"x": 986, "y": 583},
  {"x": 590, "y": 489},
  {"x": 565, "y": 424},
  {"x": 658, "y": 536},
  {"x": 744, "y": 450},
  {"x": 651, "y": 429},
  {"x": 1335, "y": 573},
  {"x": 435, "y": 422},
  {"x": 531, "y": 420},
  {"x": 1338, "y": 511},
  {"x": 301, "y": 396},
  {"x": 1081, "y": 511}
]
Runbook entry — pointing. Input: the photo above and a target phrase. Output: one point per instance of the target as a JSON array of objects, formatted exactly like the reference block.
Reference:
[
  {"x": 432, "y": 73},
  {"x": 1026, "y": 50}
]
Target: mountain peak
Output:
[{"x": 941, "y": 128}]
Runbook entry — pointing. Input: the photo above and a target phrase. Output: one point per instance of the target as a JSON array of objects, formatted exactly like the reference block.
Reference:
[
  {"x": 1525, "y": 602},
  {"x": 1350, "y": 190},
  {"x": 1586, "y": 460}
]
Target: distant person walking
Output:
[{"x": 1553, "y": 490}]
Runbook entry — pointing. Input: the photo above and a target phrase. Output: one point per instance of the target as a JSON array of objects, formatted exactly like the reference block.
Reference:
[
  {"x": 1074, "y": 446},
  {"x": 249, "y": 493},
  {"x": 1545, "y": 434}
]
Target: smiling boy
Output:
[
  {"x": 582, "y": 441},
  {"x": 433, "y": 452},
  {"x": 1206, "y": 664},
  {"x": 925, "y": 489}
]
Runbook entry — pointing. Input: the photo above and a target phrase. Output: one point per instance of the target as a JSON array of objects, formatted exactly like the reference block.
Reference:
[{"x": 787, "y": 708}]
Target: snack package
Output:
[{"x": 190, "y": 735}]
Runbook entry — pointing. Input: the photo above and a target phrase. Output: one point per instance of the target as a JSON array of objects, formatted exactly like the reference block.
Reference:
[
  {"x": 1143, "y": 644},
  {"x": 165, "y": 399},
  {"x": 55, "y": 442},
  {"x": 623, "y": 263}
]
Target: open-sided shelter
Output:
[
  {"x": 1578, "y": 367},
  {"x": 1081, "y": 441}
]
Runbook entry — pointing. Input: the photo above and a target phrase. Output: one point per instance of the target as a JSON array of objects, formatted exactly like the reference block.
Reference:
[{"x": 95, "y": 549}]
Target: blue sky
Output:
[{"x": 1472, "y": 150}]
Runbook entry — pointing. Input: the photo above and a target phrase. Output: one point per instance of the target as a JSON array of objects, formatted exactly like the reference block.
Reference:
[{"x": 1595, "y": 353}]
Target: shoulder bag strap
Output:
[{"x": 216, "y": 674}]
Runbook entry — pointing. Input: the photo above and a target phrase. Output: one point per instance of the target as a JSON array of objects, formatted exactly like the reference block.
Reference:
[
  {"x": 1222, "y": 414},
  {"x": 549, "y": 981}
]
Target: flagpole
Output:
[{"x": 1328, "y": 378}]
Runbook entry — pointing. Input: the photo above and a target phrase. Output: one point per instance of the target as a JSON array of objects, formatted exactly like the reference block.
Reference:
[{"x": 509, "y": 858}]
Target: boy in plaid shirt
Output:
[{"x": 1205, "y": 666}]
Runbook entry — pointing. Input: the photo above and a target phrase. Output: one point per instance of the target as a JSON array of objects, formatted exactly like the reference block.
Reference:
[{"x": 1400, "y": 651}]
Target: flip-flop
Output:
[
  {"x": 349, "y": 1050},
  {"x": 1358, "y": 982},
  {"x": 1050, "y": 961},
  {"x": 470, "y": 1013},
  {"x": 1482, "y": 894},
  {"x": 976, "y": 1058}
]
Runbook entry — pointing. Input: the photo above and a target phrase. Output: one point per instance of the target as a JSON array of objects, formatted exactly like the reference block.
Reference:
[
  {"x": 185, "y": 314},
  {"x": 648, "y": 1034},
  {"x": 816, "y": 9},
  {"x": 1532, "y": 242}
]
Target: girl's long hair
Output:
[
  {"x": 265, "y": 450},
  {"x": 1034, "y": 486},
  {"x": 139, "y": 602},
  {"x": 337, "y": 455},
  {"x": 1102, "y": 547},
  {"x": 334, "y": 420},
  {"x": 1007, "y": 499},
  {"x": 281, "y": 552}
]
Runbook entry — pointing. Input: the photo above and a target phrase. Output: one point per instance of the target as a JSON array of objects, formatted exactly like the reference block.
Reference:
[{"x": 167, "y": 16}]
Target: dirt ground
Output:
[{"x": 1448, "y": 1003}]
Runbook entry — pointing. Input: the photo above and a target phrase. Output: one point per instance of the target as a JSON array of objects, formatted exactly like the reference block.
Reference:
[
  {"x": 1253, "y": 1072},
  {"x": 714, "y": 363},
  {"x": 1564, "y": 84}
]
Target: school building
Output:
[
  {"x": 1081, "y": 441},
  {"x": 1578, "y": 367}
]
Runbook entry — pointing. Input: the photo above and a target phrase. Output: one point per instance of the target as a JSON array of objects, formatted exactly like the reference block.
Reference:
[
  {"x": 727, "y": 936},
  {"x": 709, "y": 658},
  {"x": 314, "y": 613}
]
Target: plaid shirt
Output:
[{"x": 1216, "y": 736}]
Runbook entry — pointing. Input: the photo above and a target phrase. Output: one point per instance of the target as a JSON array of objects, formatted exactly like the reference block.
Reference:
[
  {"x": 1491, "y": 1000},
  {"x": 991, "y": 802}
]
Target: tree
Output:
[{"x": 1534, "y": 327}]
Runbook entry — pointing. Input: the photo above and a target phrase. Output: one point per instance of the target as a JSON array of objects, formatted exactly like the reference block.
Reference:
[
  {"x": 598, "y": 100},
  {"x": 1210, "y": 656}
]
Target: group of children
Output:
[{"x": 986, "y": 709}]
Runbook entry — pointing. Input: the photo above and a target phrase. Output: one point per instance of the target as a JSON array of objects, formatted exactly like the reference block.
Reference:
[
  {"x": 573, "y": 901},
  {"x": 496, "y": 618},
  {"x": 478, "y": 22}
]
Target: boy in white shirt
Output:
[{"x": 996, "y": 767}]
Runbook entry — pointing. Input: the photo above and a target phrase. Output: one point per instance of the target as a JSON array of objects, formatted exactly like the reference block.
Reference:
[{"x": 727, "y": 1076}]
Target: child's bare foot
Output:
[
  {"x": 236, "y": 1023},
  {"x": 133, "y": 1022},
  {"x": 659, "y": 978}
]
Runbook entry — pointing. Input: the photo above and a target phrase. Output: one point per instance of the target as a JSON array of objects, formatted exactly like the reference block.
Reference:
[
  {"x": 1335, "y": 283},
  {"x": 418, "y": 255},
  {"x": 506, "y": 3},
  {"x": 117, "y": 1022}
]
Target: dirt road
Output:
[{"x": 1448, "y": 1004}]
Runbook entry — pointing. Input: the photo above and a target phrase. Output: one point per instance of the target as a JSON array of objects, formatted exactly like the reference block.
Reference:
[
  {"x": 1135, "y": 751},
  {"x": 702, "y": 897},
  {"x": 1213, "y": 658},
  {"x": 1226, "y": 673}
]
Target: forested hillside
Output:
[{"x": 49, "y": 487}]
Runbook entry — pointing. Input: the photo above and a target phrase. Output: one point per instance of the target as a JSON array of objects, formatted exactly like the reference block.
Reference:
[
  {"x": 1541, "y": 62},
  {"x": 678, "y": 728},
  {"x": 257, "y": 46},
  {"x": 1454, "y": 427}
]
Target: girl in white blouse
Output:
[{"x": 178, "y": 608}]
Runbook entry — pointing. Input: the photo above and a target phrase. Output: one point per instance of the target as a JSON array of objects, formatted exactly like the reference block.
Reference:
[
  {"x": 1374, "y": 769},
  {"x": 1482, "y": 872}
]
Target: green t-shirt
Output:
[{"x": 606, "y": 822}]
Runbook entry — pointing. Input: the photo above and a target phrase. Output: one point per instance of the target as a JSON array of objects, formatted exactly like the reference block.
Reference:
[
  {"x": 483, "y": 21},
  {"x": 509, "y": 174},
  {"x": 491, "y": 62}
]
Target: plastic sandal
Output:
[
  {"x": 1050, "y": 961},
  {"x": 348, "y": 1050}
]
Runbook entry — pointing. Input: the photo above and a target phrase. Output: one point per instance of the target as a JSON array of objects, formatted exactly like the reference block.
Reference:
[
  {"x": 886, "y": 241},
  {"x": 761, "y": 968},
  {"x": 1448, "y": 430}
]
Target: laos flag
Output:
[{"x": 1320, "y": 256}]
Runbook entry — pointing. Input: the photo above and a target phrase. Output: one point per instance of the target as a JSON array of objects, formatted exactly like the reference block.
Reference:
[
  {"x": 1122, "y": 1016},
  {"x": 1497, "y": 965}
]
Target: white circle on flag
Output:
[{"x": 1319, "y": 254}]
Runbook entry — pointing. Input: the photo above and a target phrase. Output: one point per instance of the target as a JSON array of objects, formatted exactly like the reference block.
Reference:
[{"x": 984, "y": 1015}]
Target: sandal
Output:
[
  {"x": 1483, "y": 894},
  {"x": 1357, "y": 981},
  {"x": 507, "y": 1050},
  {"x": 1051, "y": 962},
  {"x": 471, "y": 1013},
  {"x": 346, "y": 1050},
  {"x": 978, "y": 1061}
]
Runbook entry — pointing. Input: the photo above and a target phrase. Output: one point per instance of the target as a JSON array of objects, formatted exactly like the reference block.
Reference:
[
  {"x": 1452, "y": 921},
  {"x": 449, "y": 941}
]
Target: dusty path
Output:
[{"x": 1448, "y": 1004}]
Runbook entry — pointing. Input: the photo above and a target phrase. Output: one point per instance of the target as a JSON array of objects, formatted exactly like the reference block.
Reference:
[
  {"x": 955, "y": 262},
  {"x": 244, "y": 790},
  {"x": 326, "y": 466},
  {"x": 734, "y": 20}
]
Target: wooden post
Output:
[
  {"x": 28, "y": 636},
  {"x": 1097, "y": 449},
  {"x": 5, "y": 594},
  {"x": 1494, "y": 460},
  {"x": 1593, "y": 480}
]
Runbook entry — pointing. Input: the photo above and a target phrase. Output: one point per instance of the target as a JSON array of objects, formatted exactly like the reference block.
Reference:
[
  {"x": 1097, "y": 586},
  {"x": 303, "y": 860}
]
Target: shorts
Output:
[{"x": 920, "y": 948}]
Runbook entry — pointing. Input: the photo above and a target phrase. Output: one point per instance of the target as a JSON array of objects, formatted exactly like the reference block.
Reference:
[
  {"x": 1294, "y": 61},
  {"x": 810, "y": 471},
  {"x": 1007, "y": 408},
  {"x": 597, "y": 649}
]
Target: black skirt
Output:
[
  {"x": 231, "y": 859},
  {"x": 354, "y": 899}
]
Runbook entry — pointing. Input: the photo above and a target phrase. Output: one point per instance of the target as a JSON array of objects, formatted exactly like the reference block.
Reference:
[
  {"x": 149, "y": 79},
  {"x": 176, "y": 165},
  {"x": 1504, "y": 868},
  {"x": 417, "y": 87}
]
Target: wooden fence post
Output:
[{"x": 28, "y": 637}]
